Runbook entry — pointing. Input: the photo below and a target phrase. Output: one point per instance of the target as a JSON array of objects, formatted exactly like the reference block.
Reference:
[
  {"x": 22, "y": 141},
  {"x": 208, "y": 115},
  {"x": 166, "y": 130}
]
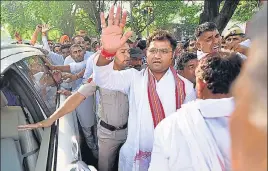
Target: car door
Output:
[{"x": 60, "y": 144}]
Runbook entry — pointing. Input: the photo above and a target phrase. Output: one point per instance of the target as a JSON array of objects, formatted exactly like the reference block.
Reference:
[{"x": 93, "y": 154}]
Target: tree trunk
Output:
[
  {"x": 68, "y": 26},
  {"x": 226, "y": 14},
  {"x": 211, "y": 12}
]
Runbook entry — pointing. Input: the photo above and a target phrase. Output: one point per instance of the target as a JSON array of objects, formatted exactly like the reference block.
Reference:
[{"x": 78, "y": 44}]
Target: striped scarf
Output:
[{"x": 158, "y": 113}]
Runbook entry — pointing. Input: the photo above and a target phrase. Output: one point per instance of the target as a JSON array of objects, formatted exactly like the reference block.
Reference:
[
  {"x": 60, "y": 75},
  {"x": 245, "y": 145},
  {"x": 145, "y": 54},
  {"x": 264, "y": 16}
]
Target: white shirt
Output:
[
  {"x": 200, "y": 54},
  {"x": 72, "y": 84},
  {"x": 134, "y": 84},
  {"x": 246, "y": 43},
  {"x": 76, "y": 67},
  {"x": 85, "y": 112},
  {"x": 68, "y": 60},
  {"x": 171, "y": 151}
]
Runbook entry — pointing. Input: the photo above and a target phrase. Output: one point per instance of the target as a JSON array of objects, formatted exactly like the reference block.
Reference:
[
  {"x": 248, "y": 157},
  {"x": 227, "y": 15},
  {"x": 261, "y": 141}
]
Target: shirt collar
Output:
[
  {"x": 201, "y": 54},
  {"x": 213, "y": 108},
  {"x": 166, "y": 74}
]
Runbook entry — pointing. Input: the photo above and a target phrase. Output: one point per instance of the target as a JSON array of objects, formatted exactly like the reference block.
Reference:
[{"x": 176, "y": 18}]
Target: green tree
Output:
[
  {"x": 152, "y": 14},
  {"x": 245, "y": 10},
  {"x": 65, "y": 17},
  {"x": 218, "y": 11}
]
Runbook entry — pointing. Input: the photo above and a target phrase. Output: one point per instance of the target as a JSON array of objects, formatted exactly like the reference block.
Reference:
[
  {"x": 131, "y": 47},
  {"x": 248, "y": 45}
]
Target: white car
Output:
[{"x": 29, "y": 95}]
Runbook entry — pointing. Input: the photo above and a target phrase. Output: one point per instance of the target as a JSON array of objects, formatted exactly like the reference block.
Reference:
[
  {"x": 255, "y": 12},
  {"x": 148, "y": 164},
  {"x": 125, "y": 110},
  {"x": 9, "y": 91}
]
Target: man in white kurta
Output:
[
  {"x": 171, "y": 151},
  {"x": 134, "y": 84},
  {"x": 197, "y": 137},
  {"x": 153, "y": 93}
]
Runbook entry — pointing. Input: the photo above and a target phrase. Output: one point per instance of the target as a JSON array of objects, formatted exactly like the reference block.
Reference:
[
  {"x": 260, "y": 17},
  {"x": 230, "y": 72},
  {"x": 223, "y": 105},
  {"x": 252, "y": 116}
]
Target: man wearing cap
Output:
[
  {"x": 234, "y": 37},
  {"x": 136, "y": 58}
]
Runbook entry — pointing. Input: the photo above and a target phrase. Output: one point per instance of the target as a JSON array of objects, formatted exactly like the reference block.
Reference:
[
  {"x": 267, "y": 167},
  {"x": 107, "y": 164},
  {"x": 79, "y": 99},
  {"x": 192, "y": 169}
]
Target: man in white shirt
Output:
[
  {"x": 154, "y": 92},
  {"x": 208, "y": 40},
  {"x": 197, "y": 137},
  {"x": 112, "y": 111},
  {"x": 84, "y": 111}
]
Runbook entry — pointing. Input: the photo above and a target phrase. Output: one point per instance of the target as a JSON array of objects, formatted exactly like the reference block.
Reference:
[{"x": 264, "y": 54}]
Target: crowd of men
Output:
[{"x": 163, "y": 105}]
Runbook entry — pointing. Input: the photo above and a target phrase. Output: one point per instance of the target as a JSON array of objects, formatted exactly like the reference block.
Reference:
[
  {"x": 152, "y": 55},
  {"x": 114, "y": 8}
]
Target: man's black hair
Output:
[
  {"x": 76, "y": 37},
  {"x": 162, "y": 35},
  {"x": 65, "y": 46},
  {"x": 56, "y": 45},
  {"x": 207, "y": 26},
  {"x": 219, "y": 70},
  {"x": 186, "y": 43},
  {"x": 138, "y": 39},
  {"x": 142, "y": 44},
  {"x": 184, "y": 58},
  {"x": 86, "y": 38}
]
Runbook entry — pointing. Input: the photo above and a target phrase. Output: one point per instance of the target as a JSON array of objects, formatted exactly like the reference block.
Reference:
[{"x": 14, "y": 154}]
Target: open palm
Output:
[
  {"x": 45, "y": 28},
  {"x": 112, "y": 37},
  {"x": 43, "y": 124}
]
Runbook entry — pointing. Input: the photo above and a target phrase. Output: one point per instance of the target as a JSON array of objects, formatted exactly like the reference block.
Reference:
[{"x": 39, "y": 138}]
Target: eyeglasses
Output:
[{"x": 161, "y": 51}]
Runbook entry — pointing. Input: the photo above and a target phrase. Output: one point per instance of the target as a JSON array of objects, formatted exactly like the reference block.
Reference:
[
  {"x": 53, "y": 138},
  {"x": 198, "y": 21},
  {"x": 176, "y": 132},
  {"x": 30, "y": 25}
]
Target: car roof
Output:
[{"x": 13, "y": 53}]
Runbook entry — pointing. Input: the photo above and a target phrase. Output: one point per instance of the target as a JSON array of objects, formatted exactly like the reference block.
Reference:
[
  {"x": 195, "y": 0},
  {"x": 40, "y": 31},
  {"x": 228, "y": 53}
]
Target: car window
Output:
[{"x": 42, "y": 79}]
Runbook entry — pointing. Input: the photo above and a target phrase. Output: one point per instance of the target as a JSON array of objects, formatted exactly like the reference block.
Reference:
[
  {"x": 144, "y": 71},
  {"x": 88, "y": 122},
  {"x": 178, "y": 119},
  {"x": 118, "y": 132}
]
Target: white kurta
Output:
[
  {"x": 140, "y": 123},
  {"x": 171, "y": 151},
  {"x": 72, "y": 84}
]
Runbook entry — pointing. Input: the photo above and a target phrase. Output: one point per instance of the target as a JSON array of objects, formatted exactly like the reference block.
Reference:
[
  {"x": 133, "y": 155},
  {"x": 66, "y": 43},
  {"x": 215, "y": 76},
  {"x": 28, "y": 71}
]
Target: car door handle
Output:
[{"x": 75, "y": 148}]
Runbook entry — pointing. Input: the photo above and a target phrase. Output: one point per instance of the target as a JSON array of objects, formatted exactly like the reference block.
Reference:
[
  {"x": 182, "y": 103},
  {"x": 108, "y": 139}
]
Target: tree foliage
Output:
[
  {"x": 152, "y": 14},
  {"x": 68, "y": 17},
  {"x": 245, "y": 10},
  {"x": 65, "y": 17}
]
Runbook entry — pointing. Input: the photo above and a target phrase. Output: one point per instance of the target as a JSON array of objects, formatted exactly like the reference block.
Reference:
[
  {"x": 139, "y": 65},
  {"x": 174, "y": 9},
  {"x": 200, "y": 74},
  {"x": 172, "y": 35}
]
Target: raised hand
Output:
[
  {"x": 17, "y": 36},
  {"x": 45, "y": 28},
  {"x": 43, "y": 124},
  {"x": 112, "y": 37},
  {"x": 38, "y": 28}
]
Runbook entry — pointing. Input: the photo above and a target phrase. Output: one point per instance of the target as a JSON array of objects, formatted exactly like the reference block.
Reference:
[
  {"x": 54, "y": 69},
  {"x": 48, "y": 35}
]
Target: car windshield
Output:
[{"x": 42, "y": 79}]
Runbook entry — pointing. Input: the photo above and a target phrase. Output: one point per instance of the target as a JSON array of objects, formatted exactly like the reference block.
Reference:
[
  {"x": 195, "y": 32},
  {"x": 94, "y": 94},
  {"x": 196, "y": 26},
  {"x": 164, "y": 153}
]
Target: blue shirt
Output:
[{"x": 55, "y": 58}]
